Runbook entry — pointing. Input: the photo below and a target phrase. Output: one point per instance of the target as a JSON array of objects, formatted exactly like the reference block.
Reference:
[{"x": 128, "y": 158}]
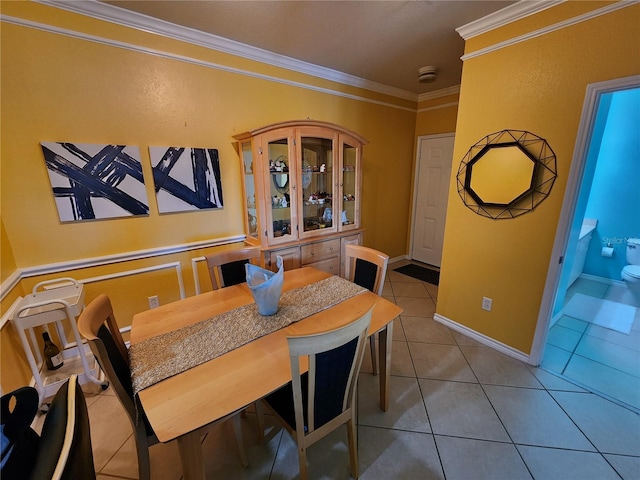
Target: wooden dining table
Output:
[{"x": 179, "y": 406}]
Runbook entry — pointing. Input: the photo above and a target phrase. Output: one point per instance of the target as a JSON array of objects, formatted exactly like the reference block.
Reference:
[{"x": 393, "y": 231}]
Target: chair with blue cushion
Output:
[
  {"x": 367, "y": 267},
  {"x": 317, "y": 402},
  {"x": 226, "y": 268},
  {"x": 98, "y": 325}
]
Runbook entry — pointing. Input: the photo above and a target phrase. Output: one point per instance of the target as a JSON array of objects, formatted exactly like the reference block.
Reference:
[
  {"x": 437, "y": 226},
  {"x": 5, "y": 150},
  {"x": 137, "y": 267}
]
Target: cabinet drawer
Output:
[
  {"x": 290, "y": 257},
  {"x": 331, "y": 265},
  {"x": 315, "y": 252}
]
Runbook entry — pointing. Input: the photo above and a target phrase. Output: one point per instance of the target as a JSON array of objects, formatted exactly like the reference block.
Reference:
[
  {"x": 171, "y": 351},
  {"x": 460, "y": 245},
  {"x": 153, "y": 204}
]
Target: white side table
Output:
[{"x": 56, "y": 301}]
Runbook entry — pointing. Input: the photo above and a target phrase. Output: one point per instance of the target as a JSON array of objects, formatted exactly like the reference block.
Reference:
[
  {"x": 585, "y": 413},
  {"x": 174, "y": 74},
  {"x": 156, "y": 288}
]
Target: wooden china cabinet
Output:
[{"x": 302, "y": 183}]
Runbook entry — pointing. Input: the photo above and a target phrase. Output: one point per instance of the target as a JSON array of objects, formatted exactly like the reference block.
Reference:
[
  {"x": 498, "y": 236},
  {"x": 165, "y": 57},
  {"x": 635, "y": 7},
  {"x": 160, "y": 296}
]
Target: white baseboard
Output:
[
  {"x": 398, "y": 259},
  {"x": 479, "y": 337},
  {"x": 595, "y": 278}
]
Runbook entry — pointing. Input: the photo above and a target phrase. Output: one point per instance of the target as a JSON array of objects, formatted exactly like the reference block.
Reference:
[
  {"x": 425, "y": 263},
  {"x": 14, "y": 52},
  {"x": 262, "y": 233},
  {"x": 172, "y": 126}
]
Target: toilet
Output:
[{"x": 631, "y": 273}]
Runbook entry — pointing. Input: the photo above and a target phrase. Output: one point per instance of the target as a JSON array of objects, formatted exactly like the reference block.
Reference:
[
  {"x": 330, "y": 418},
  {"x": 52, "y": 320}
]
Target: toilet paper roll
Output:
[{"x": 607, "y": 252}]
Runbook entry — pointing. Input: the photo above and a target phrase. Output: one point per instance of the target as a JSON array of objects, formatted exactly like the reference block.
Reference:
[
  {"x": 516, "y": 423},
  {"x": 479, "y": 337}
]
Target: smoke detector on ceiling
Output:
[{"x": 427, "y": 74}]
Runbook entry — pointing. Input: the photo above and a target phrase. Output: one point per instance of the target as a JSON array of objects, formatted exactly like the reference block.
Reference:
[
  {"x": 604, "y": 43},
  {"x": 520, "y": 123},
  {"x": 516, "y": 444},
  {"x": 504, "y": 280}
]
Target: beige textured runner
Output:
[{"x": 161, "y": 357}]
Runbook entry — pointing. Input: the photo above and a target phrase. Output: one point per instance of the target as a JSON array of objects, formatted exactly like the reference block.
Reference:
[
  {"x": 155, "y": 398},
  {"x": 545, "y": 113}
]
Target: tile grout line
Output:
[
  {"x": 583, "y": 433},
  {"x": 426, "y": 410},
  {"x": 513, "y": 443}
]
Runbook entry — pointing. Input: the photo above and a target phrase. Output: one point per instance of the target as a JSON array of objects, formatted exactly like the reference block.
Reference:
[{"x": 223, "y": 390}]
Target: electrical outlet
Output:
[
  {"x": 486, "y": 304},
  {"x": 154, "y": 302}
]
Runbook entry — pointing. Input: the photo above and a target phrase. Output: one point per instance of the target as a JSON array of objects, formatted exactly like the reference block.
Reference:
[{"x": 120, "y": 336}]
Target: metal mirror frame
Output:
[{"x": 542, "y": 179}]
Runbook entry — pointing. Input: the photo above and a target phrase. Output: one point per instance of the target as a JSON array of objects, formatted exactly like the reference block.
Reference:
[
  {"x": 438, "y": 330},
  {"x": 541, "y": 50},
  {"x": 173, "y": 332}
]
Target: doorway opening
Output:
[{"x": 589, "y": 324}]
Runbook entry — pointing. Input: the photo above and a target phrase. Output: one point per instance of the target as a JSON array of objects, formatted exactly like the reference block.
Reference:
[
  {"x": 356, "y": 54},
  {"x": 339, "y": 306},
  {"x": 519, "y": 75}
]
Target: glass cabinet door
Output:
[
  {"x": 349, "y": 184},
  {"x": 302, "y": 180},
  {"x": 251, "y": 222},
  {"x": 280, "y": 171},
  {"x": 318, "y": 179}
]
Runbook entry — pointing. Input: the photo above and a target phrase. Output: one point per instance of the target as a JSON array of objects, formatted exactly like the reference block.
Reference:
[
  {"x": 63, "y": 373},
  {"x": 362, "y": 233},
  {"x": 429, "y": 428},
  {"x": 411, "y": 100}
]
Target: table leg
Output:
[
  {"x": 384, "y": 361},
  {"x": 191, "y": 456}
]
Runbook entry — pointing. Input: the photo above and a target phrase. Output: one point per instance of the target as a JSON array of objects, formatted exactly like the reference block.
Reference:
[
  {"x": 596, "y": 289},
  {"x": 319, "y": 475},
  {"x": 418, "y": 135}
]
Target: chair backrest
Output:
[
  {"x": 20, "y": 442},
  {"x": 226, "y": 268},
  {"x": 98, "y": 325},
  {"x": 366, "y": 267},
  {"x": 65, "y": 443},
  {"x": 326, "y": 393}
]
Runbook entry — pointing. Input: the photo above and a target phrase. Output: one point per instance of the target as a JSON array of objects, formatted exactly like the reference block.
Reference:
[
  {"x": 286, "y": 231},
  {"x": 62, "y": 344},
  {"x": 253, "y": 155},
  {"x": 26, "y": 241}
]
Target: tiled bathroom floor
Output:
[
  {"x": 596, "y": 357},
  {"x": 458, "y": 410}
]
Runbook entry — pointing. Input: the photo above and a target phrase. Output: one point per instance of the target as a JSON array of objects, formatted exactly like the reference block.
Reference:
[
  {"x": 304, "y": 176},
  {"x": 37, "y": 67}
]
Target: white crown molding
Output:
[
  {"x": 193, "y": 61},
  {"x": 120, "y": 16},
  {"x": 507, "y": 15},
  {"x": 438, "y": 107},
  {"x": 552, "y": 28},
  {"x": 443, "y": 92}
]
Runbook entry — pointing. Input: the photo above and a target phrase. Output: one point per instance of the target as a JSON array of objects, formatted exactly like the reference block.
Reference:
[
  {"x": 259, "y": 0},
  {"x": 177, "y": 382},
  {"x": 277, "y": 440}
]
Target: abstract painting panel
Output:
[
  {"x": 186, "y": 178},
  {"x": 93, "y": 182}
]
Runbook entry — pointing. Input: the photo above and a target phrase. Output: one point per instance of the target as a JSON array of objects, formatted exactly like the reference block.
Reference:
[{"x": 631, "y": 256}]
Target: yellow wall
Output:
[
  {"x": 537, "y": 85},
  {"x": 56, "y": 88},
  {"x": 437, "y": 115},
  {"x": 59, "y": 88},
  {"x": 7, "y": 262},
  {"x": 434, "y": 116}
]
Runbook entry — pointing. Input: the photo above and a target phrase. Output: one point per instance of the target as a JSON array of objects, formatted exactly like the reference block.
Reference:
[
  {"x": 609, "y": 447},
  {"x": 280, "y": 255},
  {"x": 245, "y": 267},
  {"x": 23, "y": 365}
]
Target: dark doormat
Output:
[{"x": 421, "y": 273}]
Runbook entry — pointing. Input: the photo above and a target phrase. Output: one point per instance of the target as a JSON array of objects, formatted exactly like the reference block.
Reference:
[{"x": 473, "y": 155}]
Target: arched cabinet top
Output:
[{"x": 299, "y": 124}]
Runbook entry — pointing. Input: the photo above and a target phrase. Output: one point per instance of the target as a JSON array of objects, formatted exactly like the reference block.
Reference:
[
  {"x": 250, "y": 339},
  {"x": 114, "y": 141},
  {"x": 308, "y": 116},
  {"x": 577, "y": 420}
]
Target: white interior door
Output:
[{"x": 433, "y": 172}]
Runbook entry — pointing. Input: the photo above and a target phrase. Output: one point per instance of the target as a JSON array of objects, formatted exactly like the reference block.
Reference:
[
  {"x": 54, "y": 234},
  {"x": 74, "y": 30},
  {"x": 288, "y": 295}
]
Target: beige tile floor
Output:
[{"x": 458, "y": 410}]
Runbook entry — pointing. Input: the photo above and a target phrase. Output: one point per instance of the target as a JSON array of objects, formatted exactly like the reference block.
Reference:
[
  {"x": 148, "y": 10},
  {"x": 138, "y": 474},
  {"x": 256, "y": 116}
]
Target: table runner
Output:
[{"x": 161, "y": 357}]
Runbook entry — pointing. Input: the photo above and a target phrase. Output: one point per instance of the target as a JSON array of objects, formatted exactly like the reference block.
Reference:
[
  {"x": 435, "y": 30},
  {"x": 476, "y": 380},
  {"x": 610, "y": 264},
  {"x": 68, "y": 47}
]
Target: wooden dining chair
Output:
[
  {"x": 367, "y": 267},
  {"x": 314, "y": 404},
  {"x": 226, "y": 268},
  {"x": 98, "y": 325}
]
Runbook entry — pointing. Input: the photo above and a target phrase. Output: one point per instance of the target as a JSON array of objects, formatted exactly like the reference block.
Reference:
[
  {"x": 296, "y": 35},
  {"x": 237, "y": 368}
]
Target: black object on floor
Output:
[{"x": 421, "y": 273}]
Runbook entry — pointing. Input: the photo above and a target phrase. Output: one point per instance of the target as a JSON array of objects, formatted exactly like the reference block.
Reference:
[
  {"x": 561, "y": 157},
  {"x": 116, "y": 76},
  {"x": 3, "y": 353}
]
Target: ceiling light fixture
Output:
[{"x": 427, "y": 74}]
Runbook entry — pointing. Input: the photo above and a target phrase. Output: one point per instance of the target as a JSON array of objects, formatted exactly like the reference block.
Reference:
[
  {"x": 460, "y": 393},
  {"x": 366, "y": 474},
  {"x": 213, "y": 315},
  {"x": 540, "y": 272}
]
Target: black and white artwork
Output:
[
  {"x": 186, "y": 178},
  {"x": 92, "y": 182}
]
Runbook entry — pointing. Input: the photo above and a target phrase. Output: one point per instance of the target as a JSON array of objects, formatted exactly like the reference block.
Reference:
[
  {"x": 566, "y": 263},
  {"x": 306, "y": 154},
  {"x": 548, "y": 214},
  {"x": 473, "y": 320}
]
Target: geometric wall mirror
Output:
[{"x": 506, "y": 174}]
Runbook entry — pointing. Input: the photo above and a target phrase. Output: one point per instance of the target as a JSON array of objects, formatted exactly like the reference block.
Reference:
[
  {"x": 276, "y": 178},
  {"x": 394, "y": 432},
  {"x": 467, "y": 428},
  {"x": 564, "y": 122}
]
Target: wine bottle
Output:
[{"x": 52, "y": 355}]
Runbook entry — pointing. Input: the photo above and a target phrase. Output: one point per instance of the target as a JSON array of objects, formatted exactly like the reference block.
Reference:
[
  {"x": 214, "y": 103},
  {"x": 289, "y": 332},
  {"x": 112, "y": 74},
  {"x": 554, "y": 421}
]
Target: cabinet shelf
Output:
[{"x": 306, "y": 146}]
